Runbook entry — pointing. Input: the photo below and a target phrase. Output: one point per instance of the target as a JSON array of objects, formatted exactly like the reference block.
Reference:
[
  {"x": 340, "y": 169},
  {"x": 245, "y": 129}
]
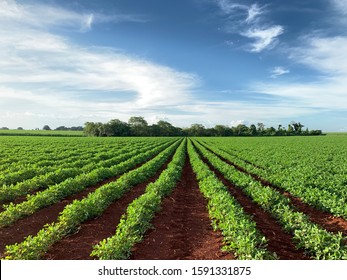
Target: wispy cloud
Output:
[
  {"x": 325, "y": 54},
  {"x": 340, "y": 5},
  {"x": 36, "y": 15},
  {"x": 249, "y": 21},
  {"x": 278, "y": 71},
  {"x": 264, "y": 38},
  {"x": 253, "y": 12},
  {"x": 328, "y": 92},
  {"x": 42, "y": 72}
]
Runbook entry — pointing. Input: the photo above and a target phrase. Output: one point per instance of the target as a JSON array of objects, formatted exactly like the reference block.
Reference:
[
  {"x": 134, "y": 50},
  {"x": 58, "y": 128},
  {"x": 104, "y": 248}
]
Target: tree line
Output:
[{"x": 138, "y": 126}]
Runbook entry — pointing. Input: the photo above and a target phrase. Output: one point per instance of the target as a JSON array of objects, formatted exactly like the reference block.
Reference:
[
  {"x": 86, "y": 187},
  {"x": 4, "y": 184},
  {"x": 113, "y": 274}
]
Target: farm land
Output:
[{"x": 173, "y": 197}]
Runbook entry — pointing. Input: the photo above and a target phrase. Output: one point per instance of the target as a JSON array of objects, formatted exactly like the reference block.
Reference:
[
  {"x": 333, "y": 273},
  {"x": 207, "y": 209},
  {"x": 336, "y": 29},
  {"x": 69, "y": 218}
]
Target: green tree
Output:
[
  {"x": 46, "y": 127},
  {"x": 117, "y": 128},
  {"x": 166, "y": 128},
  {"x": 138, "y": 126},
  {"x": 197, "y": 130},
  {"x": 93, "y": 129},
  {"x": 222, "y": 130},
  {"x": 242, "y": 130},
  {"x": 261, "y": 128},
  {"x": 253, "y": 130}
]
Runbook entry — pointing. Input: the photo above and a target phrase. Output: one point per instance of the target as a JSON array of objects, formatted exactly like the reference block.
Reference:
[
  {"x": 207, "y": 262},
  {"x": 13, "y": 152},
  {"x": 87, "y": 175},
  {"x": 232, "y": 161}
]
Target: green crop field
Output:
[
  {"x": 120, "y": 198},
  {"x": 16, "y": 132}
]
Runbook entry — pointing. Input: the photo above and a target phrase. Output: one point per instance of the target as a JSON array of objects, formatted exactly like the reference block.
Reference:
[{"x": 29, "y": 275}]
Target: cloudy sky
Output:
[{"x": 211, "y": 62}]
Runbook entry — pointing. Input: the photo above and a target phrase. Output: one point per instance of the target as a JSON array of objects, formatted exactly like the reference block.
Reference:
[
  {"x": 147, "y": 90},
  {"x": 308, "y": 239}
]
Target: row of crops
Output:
[{"x": 37, "y": 173}]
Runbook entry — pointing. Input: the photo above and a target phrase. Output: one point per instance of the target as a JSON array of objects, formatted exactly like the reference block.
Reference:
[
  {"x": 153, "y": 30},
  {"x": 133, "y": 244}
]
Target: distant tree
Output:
[
  {"x": 297, "y": 127},
  {"x": 166, "y": 128},
  {"x": 61, "y": 128},
  {"x": 280, "y": 130},
  {"x": 241, "y": 130},
  {"x": 117, "y": 128},
  {"x": 222, "y": 130},
  {"x": 46, "y": 127},
  {"x": 290, "y": 130},
  {"x": 4, "y": 128},
  {"x": 138, "y": 126},
  {"x": 196, "y": 130},
  {"x": 20, "y": 128},
  {"x": 93, "y": 129},
  {"x": 253, "y": 130},
  {"x": 271, "y": 131},
  {"x": 261, "y": 128},
  {"x": 76, "y": 128},
  {"x": 315, "y": 132}
]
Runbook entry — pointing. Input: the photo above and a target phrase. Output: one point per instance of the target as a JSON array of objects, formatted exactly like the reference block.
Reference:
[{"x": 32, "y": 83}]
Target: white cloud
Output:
[
  {"x": 325, "y": 54},
  {"x": 45, "y": 75},
  {"x": 264, "y": 38},
  {"x": 253, "y": 12},
  {"x": 249, "y": 21},
  {"x": 45, "y": 16},
  {"x": 340, "y": 5},
  {"x": 249, "y": 13},
  {"x": 228, "y": 7},
  {"x": 278, "y": 71}
]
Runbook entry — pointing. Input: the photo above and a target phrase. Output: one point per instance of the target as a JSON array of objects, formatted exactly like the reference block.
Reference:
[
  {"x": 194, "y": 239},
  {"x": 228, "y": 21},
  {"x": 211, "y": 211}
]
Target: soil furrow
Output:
[
  {"x": 182, "y": 229},
  {"x": 32, "y": 224},
  {"x": 279, "y": 241},
  {"x": 324, "y": 219},
  {"x": 79, "y": 245}
]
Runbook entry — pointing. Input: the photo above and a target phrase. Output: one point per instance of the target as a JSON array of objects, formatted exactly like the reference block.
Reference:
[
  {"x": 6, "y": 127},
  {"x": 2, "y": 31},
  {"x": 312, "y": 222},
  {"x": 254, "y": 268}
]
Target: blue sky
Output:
[{"x": 185, "y": 61}]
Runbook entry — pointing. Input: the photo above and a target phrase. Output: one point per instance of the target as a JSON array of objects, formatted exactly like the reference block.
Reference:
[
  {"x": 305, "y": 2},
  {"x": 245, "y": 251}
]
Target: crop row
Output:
[
  {"x": 71, "y": 186},
  {"x": 327, "y": 193},
  {"x": 317, "y": 242},
  {"x": 81, "y": 210},
  {"x": 141, "y": 211},
  {"x": 41, "y": 164},
  {"x": 10, "y": 192},
  {"x": 239, "y": 230}
]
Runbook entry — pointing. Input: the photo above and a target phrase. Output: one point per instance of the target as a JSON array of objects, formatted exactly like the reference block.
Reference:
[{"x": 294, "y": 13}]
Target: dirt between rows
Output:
[
  {"x": 278, "y": 240},
  {"x": 192, "y": 235},
  {"x": 182, "y": 229},
  {"x": 32, "y": 224},
  {"x": 326, "y": 220}
]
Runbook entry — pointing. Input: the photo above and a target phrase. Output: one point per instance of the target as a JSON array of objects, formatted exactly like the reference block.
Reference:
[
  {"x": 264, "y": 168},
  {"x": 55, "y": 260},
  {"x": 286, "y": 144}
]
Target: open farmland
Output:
[{"x": 173, "y": 198}]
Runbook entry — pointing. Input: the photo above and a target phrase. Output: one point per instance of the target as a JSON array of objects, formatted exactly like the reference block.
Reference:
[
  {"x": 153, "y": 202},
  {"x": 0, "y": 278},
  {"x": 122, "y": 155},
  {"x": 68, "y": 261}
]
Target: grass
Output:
[{"x": 15, "y": 132}]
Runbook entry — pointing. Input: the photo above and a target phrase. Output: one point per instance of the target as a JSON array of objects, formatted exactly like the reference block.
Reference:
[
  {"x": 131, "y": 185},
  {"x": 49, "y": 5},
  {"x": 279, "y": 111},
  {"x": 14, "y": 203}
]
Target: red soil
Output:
[
  {"x": 79, "y": 245},
  {"x": 279, "y": 241},
  {"x": 32, "y": 224},
  {"x": 182, "y": 229},
  {"x": 324, "y": 219}
]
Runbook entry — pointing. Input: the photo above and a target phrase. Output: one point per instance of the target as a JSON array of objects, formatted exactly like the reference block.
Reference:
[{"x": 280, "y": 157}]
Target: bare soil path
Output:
[
  {"x": 32, "y": 224},
  {"x": 279, "y": 241},
  {"x": 326, "y": 220},
  {"x": 182, "y": 229}
]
